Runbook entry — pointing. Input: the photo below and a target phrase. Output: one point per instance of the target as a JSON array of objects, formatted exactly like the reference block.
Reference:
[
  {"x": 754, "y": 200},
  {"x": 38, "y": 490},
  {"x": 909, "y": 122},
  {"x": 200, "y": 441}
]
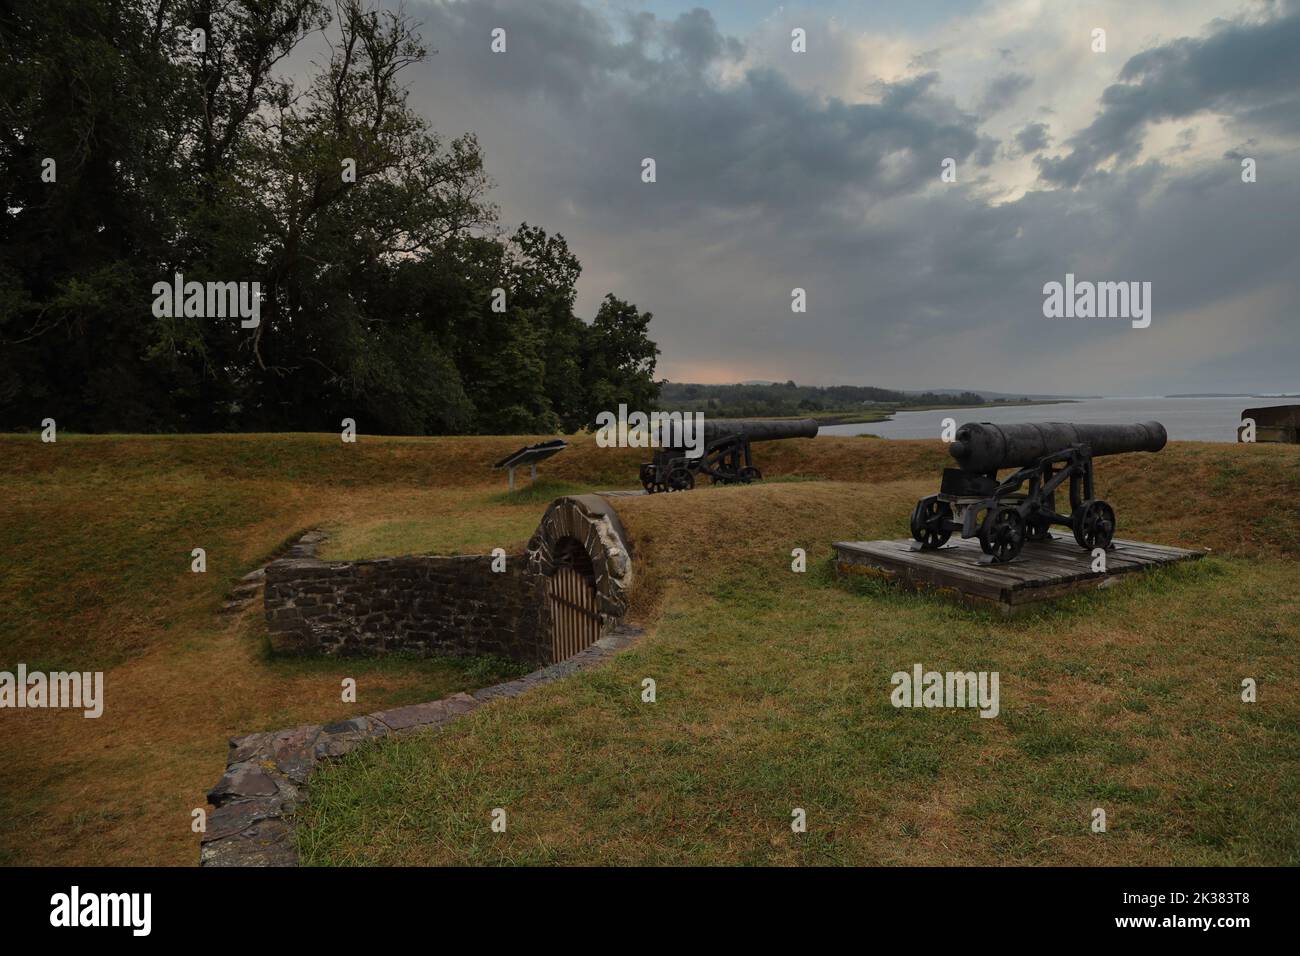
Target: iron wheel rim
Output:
[{"x": 1004, "y": 534}]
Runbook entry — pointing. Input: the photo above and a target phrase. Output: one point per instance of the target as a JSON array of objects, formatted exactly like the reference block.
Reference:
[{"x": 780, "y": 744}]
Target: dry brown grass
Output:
[
  {"x": 692, "y": 538},
  {"x": 1239, "y": 500},
  {"x": 119, "y": 790},
  {"x": 95, "y": 536}
]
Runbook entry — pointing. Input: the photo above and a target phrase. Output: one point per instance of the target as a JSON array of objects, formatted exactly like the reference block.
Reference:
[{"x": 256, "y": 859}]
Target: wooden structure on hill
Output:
[{"x": 1044, "y": 569}]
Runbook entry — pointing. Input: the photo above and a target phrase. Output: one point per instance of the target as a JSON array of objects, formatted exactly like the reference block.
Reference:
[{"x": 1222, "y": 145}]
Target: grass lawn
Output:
[
  {"x": 772, "y": 686},
  {"x": 773, "y": 693},
  {"x": 476, "y": 523}
]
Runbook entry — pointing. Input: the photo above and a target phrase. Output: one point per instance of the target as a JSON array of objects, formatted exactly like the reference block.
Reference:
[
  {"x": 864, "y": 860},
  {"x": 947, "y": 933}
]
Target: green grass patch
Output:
[
  {"x": 773, "y": 693},
  {"x": 540, "y": 492}
]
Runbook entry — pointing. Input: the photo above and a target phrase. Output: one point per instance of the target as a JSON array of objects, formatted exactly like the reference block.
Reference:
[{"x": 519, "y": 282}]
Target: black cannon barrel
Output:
[
  {"x": 670, "y": 435},
  {"x": 982, "y": 447},
  {"x": 758, "y": 429}
]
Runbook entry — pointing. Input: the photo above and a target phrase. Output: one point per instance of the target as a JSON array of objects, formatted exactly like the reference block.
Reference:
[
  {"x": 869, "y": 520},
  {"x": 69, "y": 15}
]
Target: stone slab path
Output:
[{"x": 267, "y": 774}]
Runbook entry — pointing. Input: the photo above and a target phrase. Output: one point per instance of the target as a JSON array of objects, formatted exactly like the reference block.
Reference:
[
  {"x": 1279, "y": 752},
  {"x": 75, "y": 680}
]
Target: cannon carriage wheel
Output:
[
  {"x": 1093, "y": 523},
  {"x": 928, "y": 522},
  {"x": 1002, "y": 534},
  {"x": 680, "y": 479}
]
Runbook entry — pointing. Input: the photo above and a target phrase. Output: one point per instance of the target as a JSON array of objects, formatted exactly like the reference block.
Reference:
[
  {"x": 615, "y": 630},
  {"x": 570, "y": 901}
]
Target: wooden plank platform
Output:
[{"x": 1043, "y": 570}]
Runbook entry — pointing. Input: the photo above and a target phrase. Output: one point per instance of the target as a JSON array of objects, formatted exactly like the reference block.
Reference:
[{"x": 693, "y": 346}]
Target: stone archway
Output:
[{"x": 581, "y": 548}]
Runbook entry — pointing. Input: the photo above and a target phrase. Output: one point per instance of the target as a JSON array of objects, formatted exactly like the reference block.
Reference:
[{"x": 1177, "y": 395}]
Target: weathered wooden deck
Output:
[{"x": 1042, "y": 571}]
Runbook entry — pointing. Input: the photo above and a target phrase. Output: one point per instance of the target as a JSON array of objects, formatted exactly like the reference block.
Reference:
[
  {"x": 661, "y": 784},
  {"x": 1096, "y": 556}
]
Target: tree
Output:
[
  {"x": 618, "y": 360},
  {"x": 371, "y": 237}
]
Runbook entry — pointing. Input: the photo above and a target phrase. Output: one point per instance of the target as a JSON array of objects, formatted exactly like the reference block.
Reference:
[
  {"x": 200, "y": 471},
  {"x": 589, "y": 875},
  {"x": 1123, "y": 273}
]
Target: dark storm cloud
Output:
[
  {"x": 765, "y": 185},
  {"x": 1248, "y": 70},
  {"x": 696, "y": 41},
  {"x": 641, "y": 91},
  {"x": 1032, "y": 138},
  {"x": 1003, "y": 90}
]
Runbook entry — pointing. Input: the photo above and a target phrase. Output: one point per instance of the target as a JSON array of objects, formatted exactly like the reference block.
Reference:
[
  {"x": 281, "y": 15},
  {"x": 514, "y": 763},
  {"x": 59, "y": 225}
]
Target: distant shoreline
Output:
[
  {"x": 874, "y": 416},
  {"x": 1185, "y": 419},
  {"x": 1230, "y": 395}
]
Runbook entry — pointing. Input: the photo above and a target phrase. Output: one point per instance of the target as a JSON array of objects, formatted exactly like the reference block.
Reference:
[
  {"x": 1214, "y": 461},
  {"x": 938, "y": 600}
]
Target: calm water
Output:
[{"x": 1186, "y": 419}]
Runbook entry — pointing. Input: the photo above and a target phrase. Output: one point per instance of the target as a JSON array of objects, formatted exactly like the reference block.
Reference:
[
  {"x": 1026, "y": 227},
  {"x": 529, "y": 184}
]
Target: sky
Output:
[{"x": 821, "y": 170}]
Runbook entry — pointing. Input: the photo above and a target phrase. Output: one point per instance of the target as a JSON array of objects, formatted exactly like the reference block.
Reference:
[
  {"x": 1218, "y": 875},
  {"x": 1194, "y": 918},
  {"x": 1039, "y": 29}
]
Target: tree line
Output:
[{"x": 140, "y": 139}]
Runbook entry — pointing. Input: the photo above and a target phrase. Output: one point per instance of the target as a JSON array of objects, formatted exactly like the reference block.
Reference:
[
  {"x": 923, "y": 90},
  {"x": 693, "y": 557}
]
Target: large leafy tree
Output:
[
  {"x": 618, "y": 360},
  {"x": 371, "y": 236},
  {"x": 89, "y": 124}
]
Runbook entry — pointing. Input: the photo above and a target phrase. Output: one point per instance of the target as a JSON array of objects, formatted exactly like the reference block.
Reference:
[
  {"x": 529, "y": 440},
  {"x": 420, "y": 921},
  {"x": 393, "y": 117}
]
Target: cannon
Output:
[
  {"x": 975, "y": 502},
  {"x": 726, "y": 457}
]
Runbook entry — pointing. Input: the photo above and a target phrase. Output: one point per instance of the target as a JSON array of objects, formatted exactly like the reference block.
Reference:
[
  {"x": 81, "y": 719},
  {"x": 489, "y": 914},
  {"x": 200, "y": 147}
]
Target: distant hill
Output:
[
  {"x": 777, "y": 399},
  {"x": 905, "y": 393},
  {"x": 994, "y": 396}
]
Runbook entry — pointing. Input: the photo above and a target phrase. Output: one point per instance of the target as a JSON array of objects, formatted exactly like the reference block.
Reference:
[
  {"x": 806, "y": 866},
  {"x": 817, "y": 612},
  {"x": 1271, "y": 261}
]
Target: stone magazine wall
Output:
[{"x": 426, "y": 604}]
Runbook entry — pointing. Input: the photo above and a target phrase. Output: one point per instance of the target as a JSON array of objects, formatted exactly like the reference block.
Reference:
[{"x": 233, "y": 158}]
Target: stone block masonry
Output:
[{"x": 423, "y": 604}]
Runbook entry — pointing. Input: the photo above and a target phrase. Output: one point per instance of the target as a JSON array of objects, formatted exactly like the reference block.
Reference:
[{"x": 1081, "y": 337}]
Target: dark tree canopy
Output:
[{"x": 389, "y": 292}]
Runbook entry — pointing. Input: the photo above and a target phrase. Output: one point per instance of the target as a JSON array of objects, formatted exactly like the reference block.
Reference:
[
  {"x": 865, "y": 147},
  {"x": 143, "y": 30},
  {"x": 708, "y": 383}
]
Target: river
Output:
[{"x": 1186, "y": 419}]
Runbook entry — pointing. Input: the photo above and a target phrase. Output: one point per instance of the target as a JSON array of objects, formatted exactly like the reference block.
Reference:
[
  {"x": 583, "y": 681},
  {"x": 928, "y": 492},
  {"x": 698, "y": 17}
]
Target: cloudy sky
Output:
[{"x": 821, "y": 170}]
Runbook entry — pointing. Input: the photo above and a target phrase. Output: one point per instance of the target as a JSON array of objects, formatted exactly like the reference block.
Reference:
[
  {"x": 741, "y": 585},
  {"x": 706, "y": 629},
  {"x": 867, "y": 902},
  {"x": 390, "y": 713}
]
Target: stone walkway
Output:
[{"x": 267, "y": 774}]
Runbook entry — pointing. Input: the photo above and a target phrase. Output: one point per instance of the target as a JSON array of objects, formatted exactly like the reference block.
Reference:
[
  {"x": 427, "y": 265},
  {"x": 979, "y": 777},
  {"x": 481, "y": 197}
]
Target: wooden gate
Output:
[{"x": 575, "y": 616}]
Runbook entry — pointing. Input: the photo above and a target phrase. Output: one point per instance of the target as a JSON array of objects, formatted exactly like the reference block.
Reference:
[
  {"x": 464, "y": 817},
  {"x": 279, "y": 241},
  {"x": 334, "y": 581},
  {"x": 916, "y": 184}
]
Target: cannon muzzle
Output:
[{"x": 982, "y": 447}]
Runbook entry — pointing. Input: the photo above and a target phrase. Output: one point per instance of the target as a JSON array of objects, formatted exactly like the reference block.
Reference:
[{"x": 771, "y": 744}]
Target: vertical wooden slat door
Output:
[{"x": 575, "y": 617}]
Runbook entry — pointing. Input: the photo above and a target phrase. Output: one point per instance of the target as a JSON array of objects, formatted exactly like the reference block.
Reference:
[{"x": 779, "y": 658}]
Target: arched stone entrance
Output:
[{"x": 581, "y": 549}]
